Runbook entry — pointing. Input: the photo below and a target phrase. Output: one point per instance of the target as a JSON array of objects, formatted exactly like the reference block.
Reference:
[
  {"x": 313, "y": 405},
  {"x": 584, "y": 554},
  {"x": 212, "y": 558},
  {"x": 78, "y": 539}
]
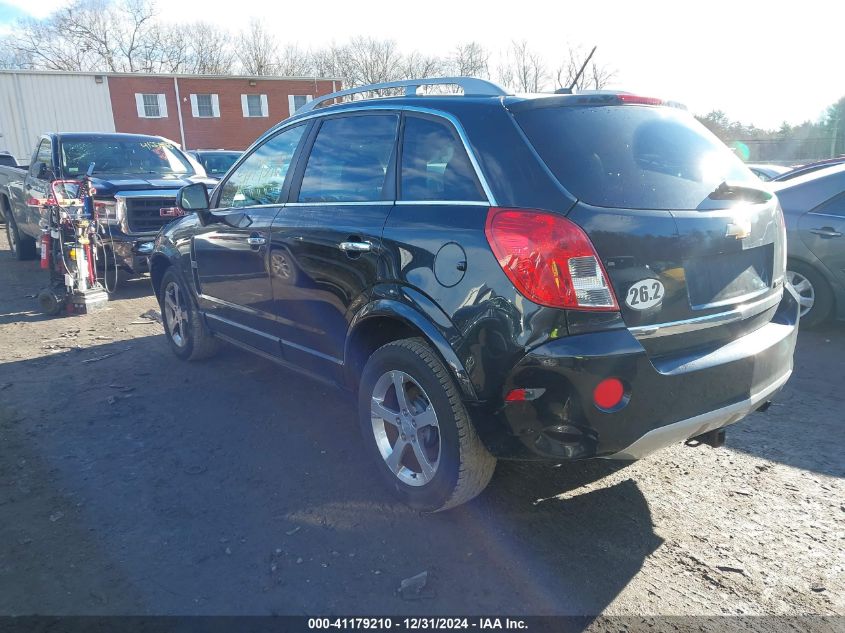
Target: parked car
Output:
[
  {"x": 136, "y": 178},
  {"x": 216, "y": 162},
  {"x": 767, "y": 172},
  {"x": 7, "y": 160},
  {"x": 809, "y": 168},
  {"x": 542, "y": 277},
  {"x": 814, "y": 209}
]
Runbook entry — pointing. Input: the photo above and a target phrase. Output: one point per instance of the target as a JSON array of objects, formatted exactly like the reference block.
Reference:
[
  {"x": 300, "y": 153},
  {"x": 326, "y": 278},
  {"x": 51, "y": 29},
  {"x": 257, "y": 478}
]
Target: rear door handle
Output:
[
  {"x": 256, "y": 240},
  {"x": 356, "y": 247},
  {"x": 826, "y": 231}
]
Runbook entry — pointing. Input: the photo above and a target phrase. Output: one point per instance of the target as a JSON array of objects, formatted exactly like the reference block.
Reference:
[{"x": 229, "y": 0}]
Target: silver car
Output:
[
  {"x": 766, "y": 171},
  {"x": 814, "y": 210}
]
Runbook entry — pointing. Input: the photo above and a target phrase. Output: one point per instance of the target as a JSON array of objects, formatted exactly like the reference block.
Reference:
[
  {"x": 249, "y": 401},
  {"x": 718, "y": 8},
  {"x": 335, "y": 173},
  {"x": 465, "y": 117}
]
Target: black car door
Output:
[
  {"x": 326, "y": 242},
  {"x": 230, "y": 254}
]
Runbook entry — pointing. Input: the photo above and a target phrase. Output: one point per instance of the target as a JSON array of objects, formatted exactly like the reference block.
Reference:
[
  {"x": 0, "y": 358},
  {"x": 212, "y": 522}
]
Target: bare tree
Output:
[
  {"x": 522, "y": 69},
  {"x": 470, "y": 60},
  {"x": 372, "y": 61},
  {"x": 600, "y": 75},
  {"x": 258, "y": 50},
  {"x": 122, "y": 37},
  {"x": 126, "y": 36},
  {"x": 210, "y": 50},
  {"x": 293, "y": 62},
  {"x": 38, "y": 43},
  {"x": 11, "y": 58},
  {"x": 99, "y": 35},
  {"x": 595, "y": 76},
  {"x": 331, "y": 61},
  {"x": 135, "y": 37},
  {"x": 165, "y": 49},
  {"x": 417, "y": 66}
]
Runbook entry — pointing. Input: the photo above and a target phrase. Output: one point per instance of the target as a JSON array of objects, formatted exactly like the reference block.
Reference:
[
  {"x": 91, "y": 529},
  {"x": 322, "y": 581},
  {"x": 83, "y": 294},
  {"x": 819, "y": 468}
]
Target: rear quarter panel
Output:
[{"x": 493, "y": 322}]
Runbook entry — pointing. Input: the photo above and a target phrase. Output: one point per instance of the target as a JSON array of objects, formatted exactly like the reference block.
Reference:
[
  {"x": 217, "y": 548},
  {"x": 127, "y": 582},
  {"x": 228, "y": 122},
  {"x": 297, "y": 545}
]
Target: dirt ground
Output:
[{"x": 138, "y": 484}]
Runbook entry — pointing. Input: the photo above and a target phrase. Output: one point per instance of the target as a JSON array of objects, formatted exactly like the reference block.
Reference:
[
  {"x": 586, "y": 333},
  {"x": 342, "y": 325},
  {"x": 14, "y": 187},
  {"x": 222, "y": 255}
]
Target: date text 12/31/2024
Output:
[{"x": 417, "y": 623}]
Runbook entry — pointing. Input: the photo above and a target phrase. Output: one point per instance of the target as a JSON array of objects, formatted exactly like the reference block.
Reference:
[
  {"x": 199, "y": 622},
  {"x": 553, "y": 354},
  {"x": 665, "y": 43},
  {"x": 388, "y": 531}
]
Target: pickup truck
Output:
[{"x": 136, "y": 178}]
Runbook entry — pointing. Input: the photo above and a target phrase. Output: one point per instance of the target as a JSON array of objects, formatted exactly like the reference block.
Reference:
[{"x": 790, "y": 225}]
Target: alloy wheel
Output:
[
  {"x": 805, "y": 290},
  {"x": 405, "y": 428},
  {"x": 175, "y": 314}
]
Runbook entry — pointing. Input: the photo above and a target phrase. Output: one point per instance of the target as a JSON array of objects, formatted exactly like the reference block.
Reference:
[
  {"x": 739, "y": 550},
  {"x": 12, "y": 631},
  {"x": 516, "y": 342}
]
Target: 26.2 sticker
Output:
[{"x": 644, "y": 294}]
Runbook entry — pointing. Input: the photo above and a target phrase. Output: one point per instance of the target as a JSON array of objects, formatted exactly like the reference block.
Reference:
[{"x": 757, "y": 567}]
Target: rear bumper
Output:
[
  {"x": 669, "y": 399},
  {"x": 684, "y": 429}
]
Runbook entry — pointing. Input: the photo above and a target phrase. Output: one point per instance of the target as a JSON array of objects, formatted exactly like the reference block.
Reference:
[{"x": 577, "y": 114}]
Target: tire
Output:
[
  {"x": 458, "y": 465},
  {"x": 23, "y": 246},
  {"x": 812, "y": 289},
  {"x": 183, "y": 325}
]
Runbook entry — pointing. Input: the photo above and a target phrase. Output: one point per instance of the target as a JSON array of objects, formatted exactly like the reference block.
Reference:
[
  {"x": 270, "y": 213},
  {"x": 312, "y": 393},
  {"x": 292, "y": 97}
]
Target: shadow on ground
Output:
[
  {"x": 144, "y": 485},
  {"x": 803, "y": 427}
]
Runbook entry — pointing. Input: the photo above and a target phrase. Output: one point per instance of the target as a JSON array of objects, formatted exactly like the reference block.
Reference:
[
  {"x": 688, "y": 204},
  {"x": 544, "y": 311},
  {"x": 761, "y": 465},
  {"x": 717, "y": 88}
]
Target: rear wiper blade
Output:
[{"x": 738, "y": 191}]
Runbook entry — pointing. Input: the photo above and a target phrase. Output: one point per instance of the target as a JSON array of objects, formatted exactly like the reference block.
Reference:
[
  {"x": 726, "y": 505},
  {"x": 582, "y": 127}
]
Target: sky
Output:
[{"x": 756, "y": 62}]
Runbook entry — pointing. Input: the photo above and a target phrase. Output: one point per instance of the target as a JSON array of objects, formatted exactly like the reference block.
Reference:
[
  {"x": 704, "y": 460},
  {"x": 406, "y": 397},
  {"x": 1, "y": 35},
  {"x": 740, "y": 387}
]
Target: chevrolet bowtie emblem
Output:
[{"x": 739, "y": 229}]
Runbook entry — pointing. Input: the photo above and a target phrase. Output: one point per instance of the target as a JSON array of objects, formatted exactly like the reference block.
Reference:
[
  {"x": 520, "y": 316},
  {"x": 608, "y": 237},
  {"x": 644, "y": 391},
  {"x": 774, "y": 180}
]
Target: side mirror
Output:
[
  {"x": 193, "y": 198},
  {"x": 44, "y": 172}
]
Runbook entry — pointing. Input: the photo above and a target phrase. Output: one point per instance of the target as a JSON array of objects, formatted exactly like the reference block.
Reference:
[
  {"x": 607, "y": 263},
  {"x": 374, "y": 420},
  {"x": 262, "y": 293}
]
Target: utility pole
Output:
[{"x": 833, "y": 137}]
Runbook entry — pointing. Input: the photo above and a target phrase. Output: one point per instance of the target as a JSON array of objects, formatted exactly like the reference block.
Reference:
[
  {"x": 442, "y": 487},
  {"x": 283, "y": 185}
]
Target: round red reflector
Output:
[{"x": 608, "y": 393}]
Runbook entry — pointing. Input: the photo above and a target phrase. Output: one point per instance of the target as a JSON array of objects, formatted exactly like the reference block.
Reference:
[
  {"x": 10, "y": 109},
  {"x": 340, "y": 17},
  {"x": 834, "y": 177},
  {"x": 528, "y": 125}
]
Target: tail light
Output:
[
  {"x": 549, "y": 259},
  {"x": 639, "y": 100}
]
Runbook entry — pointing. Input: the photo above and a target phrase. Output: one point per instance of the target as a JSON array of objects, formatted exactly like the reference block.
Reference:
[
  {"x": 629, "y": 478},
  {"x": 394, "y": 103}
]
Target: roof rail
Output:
[{"x": 470, "y": 85}]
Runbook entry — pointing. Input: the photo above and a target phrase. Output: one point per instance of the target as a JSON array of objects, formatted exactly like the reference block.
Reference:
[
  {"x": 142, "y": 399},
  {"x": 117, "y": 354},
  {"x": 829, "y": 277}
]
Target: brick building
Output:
[{"x": 199, "y": 112}]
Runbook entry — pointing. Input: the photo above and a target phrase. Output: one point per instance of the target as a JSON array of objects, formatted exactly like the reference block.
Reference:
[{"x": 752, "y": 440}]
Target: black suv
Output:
[{"x": 548, "y": 277}]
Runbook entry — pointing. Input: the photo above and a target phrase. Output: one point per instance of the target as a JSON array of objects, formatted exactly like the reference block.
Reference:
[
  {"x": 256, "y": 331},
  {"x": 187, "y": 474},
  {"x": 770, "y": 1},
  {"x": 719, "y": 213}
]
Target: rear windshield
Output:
[
  {"x": 632, "y": 157},
  {"x": 123, "y": 157}
]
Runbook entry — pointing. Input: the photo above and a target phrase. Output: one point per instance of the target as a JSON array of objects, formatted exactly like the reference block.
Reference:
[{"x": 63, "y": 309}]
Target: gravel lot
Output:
[{"x": 138, "y": 484}]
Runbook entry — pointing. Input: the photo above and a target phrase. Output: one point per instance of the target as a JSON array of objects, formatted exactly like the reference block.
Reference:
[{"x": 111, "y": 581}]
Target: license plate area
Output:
[{"x": 728, "y": 278}]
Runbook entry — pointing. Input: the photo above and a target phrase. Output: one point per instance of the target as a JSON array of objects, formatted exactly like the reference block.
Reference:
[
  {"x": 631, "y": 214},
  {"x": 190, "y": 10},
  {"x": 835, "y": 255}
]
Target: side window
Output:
[
  {"x": 42, "y": 165},
  {"x": 834, "y": 206},
  {"x": 349, "y": 159},
  {"x": 435, "y": 165},
  {"x": 259, "y": 179}
]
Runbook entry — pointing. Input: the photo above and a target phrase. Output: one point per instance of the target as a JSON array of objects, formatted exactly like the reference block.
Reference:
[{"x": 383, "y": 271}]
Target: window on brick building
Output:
[
  {"x": 205, "y": 106},
  {"x": 295, "y": 102},
  {"x": 254, "y": 105},
  {"x": 151, "y": 106}
]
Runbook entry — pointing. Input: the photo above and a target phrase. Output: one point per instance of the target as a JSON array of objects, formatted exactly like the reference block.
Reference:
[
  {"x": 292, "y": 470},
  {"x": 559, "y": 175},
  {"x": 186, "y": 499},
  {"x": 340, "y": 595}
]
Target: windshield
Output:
[
  {"x": 633, "y": 157},
  {"x": 217, "y": 163},
  {"x": 124, "y": 157}
]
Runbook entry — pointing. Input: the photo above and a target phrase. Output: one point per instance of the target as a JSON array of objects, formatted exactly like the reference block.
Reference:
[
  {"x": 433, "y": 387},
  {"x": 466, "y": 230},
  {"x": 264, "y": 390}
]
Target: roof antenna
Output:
[{"x": 581, "y": 72}]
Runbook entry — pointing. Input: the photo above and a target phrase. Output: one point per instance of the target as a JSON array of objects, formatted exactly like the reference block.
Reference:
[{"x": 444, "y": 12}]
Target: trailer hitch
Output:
[{"x": 711, "y": 438}]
